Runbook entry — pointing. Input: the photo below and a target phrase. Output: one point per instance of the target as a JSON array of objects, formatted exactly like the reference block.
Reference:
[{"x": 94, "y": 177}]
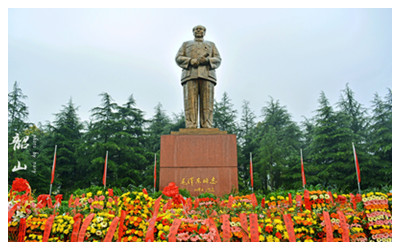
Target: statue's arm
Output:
[
  {"x": 181, "y": 59},
  {"x": 215, "y": 59}
]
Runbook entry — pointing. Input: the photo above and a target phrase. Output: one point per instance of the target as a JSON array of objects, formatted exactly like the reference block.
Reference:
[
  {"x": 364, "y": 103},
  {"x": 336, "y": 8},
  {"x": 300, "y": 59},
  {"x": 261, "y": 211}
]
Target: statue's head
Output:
[{"x": 199, "y": 31}]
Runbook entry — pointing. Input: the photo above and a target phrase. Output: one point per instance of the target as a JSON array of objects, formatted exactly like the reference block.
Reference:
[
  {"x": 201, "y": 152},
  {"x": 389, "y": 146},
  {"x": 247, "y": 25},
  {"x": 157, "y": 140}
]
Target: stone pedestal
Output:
[{"x": 200, "y": 160}]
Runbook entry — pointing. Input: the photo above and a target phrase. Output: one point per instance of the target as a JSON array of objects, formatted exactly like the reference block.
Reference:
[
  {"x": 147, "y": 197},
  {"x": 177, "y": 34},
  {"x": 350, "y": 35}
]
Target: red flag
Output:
[
  {"x": 155, "y": 171},
  {"x": 357, "y": 166},
  {"x": 303, "y": 176},
  {"x": 105, "y": 170},
  {"x": 54, "y": 165},
  {"x": 251, "y": 171}
]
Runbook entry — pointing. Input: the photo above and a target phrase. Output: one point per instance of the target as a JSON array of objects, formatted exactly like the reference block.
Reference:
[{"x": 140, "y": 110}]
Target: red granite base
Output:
[{"x": 199, "y": 162}]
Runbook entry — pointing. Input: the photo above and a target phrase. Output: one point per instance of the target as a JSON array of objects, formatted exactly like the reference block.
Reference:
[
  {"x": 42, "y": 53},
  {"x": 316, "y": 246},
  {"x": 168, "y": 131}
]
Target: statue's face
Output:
[{"x": 199, "y": 32}]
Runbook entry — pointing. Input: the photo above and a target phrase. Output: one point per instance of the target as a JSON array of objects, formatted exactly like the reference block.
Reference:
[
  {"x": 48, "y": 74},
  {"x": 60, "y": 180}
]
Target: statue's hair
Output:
[{"x": 198, "y": 26}]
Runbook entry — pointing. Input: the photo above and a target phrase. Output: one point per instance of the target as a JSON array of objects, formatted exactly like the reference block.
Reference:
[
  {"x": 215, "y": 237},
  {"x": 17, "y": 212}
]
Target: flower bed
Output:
[{"x": 312, "y": 216}]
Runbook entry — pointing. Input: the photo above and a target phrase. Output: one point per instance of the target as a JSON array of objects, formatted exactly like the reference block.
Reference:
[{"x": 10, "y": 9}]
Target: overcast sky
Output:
[{"x": 290, "y": 55}]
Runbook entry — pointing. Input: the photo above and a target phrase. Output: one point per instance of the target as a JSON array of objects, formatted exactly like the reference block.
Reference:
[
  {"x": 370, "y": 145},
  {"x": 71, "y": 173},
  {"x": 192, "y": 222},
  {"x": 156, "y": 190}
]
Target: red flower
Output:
[
  {"x": 59, "y": 198},
  {"x": 144, "y": 191},
  {"x": 268, "y": 229},
  {"x": 279, "y": 235},
  {"x": 171, "y": 190},
  {"x": 165, "y": 222},
  {"x": 178, "y": 199},
  {"x": 110, "y": 192},
  {"x": 43, "y": 200},
  {"x": 20, "y": 185}
]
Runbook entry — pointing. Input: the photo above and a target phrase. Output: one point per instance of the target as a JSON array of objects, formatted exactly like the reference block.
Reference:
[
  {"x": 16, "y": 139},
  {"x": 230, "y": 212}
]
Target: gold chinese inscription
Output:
[{"x": 198, "y": 183}]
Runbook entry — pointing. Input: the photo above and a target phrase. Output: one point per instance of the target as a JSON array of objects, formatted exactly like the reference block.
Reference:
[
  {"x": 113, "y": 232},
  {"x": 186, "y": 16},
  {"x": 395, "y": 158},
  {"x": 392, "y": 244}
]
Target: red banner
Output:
[
  {"x": 189, "y": 203},
  {"x": 54, "y": 165},
  {"x": 328, "y": 227},
  {"x": 226, "y": 228},
  {"x": 155, "y": 171},
  {"x": 105, "y": 170},
  {"x": 357, "y": 165},
  {"x": 150, "y": 230},
  {"x": 121, "y": 225},
  {"x": 22, "y": 230},
  {"x": 307, "y": 199},
  {"x": 12, "y": 211},
  {"x": 331, "y": 197},
  {"x": 353, "y": 200},
  {"x": 156, "y": 206},
  {"x": 299, "y": 201},
  {"x": 111, "y": 230},
  {"x": 174, "y": 230},
  {"x": 75, "y": 229},
  {"x": 303, "y": 176},
  {"x": 251, "y": 172},
  {"x": 344, "y": 226},
  {"x": 230, "y": 201},
  {"x": 85, "y": 225},
  {"x": 213, "y": 227},
  {"x": 167, "y": 205},
  {"x": 254, "y": 200},
  {"x": 289, "y": 227},
  {"x": 47, "y": 228},
  {"x": 254, "y": 237},
  {"x": 243, "y": 223}
]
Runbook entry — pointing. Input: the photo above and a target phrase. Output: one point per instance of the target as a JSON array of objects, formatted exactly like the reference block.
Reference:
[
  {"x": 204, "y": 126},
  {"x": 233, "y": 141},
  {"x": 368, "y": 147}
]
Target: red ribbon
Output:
[
  {"x": 243, "y": 223},
  {"x": 344, "y": 226},
  {"x": 111, "y": 230},
  {"x": 328, "y": 227},
  {"x": 121, "y": 225},
  {"x": 173, "y": 230},
  {"x": 254, "y": 228},
  {"x": 47, "y": 228},
  {"x": 226, "y": 228},
  {"x": 85, "y": 225},
  {"x": 289, "y": 227},
  {"x": 22, "y": 230}
]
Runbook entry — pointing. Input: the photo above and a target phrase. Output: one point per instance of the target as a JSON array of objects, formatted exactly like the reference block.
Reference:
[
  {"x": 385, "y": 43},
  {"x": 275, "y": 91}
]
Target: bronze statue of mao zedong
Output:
[{"x": 198, "y": 59}]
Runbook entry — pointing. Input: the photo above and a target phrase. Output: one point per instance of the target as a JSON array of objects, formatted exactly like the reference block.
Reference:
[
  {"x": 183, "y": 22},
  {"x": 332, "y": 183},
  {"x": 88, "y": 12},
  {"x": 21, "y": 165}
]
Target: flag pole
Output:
[
  {"x": 357, "y": 167},
  {"x": 105, "y": 171},
  {"x": 155, "y": 172},
  {"x": 251, "y": 173},
  {"x": 53, "y": 169}
]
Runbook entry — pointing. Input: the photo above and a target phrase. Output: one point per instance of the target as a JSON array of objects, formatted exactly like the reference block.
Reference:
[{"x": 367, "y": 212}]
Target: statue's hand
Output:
[
  {"x": 203, "y": 60},
  {"x": 194, "y": 62}
]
